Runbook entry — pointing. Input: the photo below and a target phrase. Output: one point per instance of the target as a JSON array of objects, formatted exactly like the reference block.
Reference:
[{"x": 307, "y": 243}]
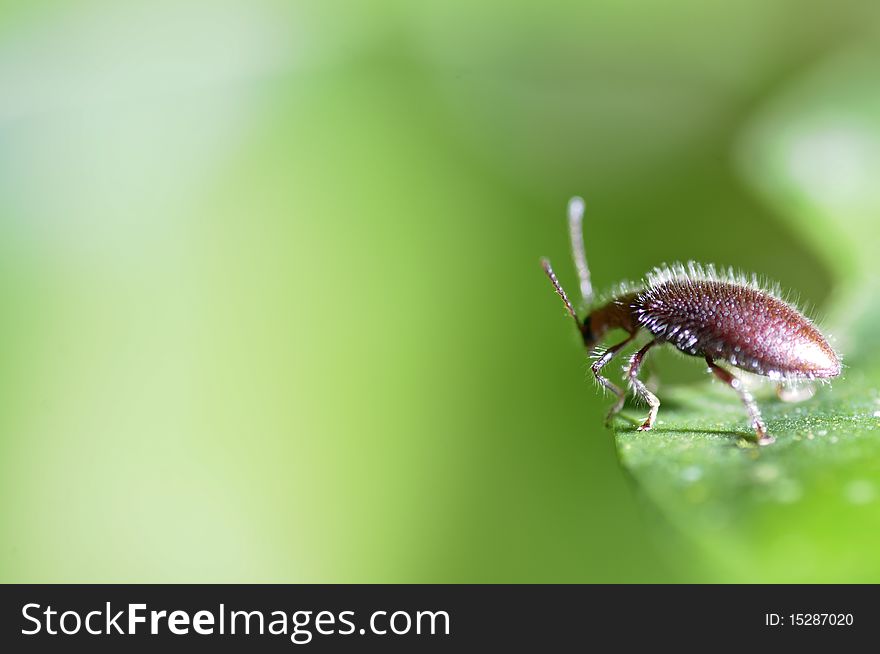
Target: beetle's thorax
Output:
[{"x": 617, "y": 313}]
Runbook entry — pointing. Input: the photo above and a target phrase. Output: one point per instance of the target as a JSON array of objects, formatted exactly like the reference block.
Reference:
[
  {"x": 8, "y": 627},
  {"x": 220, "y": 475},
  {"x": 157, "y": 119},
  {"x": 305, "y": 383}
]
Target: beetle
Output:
[{"x": 718, "y": 316}]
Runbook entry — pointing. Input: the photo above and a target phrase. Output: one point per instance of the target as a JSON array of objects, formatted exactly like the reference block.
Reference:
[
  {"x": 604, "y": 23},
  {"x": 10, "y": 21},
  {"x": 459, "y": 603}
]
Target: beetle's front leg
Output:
[
  {"x": 600, "y": 363},
  {"x": 639, "y": 388}
]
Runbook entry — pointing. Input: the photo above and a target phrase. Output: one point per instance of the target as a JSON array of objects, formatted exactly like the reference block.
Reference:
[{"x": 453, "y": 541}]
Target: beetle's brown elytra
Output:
[{"x": 702, "y": 313}]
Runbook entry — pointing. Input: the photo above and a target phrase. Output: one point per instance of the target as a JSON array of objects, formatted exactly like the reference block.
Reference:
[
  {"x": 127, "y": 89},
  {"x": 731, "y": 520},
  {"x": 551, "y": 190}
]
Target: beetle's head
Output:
[{"x": 590, "y": 338}]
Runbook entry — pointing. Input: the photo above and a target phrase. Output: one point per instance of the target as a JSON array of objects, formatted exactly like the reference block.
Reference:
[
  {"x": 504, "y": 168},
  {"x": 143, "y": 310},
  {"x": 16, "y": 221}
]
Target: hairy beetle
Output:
[{"x": 703, "y": 313}]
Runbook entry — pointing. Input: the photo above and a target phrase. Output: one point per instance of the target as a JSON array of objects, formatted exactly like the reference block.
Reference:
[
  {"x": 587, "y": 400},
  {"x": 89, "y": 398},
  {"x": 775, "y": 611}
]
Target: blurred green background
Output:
[{"x": 271, "y": 302}]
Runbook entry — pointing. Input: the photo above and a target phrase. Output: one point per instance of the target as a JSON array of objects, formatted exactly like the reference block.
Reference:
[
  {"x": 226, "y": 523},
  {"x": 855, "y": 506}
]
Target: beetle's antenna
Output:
[
  {"x": 578, "y": 253},
  {"x": 545, "y": 264}
]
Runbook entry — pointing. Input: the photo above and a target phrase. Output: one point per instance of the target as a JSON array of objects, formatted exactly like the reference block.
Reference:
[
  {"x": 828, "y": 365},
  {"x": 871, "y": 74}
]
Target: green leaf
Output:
[
  {"x": 807, "y": 508},
  {"x": 802, "y": 509}
]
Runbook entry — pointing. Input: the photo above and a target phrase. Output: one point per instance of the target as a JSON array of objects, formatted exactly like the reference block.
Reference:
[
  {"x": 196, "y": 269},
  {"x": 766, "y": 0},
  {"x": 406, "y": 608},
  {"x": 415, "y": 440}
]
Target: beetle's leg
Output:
[
  {"x": 639, "y": 388},
  {"x": 788, "y": 393},
  {"x": 751, "y": 406},
  {"x": 600, "y": 363}
]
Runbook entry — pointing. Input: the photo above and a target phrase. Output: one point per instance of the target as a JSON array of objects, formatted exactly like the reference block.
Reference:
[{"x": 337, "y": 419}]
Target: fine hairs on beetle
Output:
[{"x": 703, "y": 313}]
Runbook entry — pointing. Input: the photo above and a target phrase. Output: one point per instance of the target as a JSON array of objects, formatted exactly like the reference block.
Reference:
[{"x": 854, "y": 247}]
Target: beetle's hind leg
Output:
[
  {"x": 597, "y": 366},
  {"x": 793, "y": 394},
  {"x": 638, "y": 387},
  {"x": 751, "y": 406}
]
